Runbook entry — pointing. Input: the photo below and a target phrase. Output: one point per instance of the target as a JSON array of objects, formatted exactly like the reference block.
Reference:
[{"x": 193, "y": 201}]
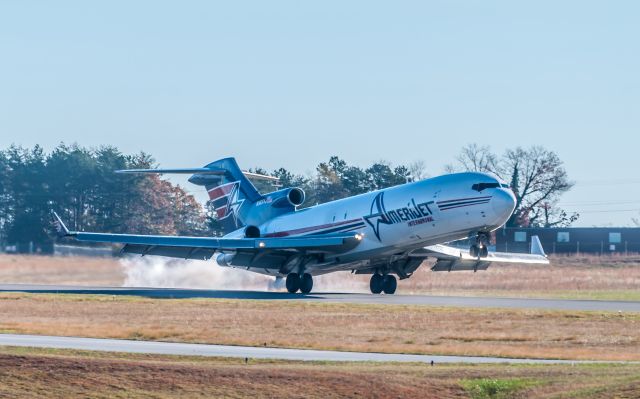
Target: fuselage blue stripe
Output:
[{"x": 455, "y": 204}]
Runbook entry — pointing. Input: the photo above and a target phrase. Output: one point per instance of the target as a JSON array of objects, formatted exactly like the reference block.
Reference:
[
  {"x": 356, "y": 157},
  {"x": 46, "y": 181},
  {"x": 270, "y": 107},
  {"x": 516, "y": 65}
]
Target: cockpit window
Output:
[
  {"x": 483, "y": 186},
  {"x": 504, "y": 185}
]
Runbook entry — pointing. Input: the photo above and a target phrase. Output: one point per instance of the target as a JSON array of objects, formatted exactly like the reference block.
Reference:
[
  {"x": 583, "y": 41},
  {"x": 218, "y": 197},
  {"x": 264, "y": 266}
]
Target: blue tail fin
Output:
[{"x": 231, "y": 193}]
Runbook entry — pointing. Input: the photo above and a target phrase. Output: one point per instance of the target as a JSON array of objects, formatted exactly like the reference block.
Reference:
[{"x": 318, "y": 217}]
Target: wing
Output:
[
  {"x": 204, "y": 247},
  {"x": 452, "y": 259}
]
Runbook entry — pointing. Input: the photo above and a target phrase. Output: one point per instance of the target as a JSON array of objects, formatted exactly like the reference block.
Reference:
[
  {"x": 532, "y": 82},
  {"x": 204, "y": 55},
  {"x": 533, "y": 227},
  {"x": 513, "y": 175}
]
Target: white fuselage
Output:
[{"x": 397, "y": 220}]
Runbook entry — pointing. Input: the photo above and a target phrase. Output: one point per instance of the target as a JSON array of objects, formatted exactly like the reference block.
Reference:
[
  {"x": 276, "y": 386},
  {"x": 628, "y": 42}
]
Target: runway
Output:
[
  {"x": 332, "y": 297},
  {"x": 171, "y": 348}
]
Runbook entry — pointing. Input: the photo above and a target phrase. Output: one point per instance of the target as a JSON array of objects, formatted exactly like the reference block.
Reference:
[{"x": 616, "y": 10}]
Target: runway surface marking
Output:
[
  {"x": 459, "y": 301},
  {"x": 182, "y": 349}
]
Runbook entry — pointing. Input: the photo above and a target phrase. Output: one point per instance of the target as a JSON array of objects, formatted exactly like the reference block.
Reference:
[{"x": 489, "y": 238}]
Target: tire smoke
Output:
[{"x": 153, "y": 271}]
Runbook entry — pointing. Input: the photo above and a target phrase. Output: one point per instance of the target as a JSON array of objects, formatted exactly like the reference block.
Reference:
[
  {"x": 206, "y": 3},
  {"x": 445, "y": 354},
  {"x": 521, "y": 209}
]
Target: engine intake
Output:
[
  {"x": 296, "y": 196},
  {"x": 289, "y": 197}
]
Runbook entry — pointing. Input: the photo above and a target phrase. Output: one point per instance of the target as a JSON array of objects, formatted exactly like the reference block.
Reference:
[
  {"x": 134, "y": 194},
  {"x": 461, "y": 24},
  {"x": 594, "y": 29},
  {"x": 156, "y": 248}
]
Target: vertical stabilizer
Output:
[{"x": 230, "y": 192}]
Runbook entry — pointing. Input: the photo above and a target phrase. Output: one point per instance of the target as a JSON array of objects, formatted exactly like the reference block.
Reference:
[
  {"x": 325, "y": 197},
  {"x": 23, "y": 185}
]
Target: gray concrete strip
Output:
[
  {"x": 459, "y": 301},
  {"x": 182, "y": 349}
]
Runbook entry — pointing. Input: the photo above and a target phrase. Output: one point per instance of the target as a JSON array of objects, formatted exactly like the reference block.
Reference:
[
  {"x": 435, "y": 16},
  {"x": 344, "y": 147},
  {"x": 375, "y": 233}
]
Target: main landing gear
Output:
[
  {"x": 380, "y": 283},
  {"x": 296, "y": 282},
  {"x": 480, "y": 249}
]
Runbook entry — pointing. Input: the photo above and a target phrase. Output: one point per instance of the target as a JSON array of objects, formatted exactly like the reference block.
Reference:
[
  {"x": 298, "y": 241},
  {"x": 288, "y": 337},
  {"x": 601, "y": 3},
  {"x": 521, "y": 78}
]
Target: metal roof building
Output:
[{"x": 592, "y": 240}]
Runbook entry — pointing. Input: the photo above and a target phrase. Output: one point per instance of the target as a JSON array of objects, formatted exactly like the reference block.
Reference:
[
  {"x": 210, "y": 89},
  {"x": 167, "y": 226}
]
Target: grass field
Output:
[
  {"x": 351, "y": 327},
  {"x": 29, "y": 373},
  {"x": 72, "y": 270},
  {"x": 588, "y": 277}
]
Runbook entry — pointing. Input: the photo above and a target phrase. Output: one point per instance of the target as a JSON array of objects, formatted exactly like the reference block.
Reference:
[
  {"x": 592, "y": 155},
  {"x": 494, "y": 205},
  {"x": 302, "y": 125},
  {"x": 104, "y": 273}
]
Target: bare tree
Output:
[
  {"x": 418, "y": 170},
  {"x": 549, "y": 215},
  {"x": 536, "y": 176},
  {"x": 475, "y": 158}
]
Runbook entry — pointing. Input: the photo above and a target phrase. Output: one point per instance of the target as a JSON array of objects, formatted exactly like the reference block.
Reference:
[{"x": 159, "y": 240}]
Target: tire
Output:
[
  {"x": 484, "y": 252},
  {"x": 293, "y": 282},
  {"x": 474, "y": 251},
  {"x": 306, "y": 283},
  {"x": 390, "y": 284},
  {"x": 376, "y": 284}
]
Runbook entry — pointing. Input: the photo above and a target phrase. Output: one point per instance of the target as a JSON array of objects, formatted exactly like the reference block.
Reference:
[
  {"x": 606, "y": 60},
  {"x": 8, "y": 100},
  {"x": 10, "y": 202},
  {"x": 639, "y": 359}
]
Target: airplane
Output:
[{"x": 384, "y": 233}]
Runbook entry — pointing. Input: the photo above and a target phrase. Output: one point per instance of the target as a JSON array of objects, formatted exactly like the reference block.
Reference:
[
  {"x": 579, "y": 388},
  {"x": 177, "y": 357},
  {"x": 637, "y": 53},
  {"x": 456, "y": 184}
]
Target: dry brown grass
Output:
[
  {"x": 607, "y": 277},
  {"x": 72, "y": 270},
  {"x": 564, "y": 275},
  {"x": 373, "y": 328},
  {"x": 28, "y": 373}
]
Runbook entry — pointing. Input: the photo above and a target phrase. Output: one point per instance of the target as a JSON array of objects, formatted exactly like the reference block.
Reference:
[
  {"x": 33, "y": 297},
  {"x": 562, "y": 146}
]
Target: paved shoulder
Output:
[{"x": 170, "y": 348}]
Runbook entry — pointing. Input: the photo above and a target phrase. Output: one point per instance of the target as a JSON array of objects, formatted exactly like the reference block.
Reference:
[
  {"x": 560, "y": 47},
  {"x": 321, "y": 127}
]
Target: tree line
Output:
[{"x": 80, "y": 184}]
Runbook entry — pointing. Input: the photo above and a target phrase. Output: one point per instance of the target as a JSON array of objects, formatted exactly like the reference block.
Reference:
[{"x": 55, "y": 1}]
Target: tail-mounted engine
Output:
[
  {"x": 272, "y": 205},
  {"x": 287, "y": 198}
]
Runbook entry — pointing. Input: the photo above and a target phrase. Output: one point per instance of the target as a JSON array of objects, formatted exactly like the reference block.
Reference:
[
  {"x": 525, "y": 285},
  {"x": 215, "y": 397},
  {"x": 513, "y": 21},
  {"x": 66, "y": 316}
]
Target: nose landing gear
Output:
[{"x": 480, "y": 249}]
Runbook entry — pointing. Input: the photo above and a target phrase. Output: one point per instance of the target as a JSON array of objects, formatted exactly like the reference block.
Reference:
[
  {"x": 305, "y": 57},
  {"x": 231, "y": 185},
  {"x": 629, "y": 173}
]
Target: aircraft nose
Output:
[{"x": 503, "y": 202}]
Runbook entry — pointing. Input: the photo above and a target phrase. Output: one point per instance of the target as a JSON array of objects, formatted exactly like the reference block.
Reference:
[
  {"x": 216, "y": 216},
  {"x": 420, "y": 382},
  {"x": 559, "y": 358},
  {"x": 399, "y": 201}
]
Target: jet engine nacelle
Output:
[
  {"x": 288, "y": 197},
  {"x": 225, "y": 259},
  {"x": 272, "y": 205}
]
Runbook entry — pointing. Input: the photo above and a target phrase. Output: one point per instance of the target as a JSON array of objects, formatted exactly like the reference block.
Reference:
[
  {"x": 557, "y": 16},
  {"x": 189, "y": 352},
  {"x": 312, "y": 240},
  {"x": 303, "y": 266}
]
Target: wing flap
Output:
[
  {"x": 172, "y": 252},
  {"x": 457, "y": 265},
  {"x": 339, "y": 242}
]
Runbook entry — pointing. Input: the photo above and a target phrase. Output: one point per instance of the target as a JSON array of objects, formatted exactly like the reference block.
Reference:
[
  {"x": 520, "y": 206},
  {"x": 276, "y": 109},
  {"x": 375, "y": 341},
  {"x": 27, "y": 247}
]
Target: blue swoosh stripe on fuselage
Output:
[
  {"x": 464, "y": 199},
  {"x": 463, "y": 203}
]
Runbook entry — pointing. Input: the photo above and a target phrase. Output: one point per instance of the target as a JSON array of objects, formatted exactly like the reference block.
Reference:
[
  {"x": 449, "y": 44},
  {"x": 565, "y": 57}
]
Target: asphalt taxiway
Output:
[
  {"x": 182, "y": 349},
  {"x": 332, "y": 297}
]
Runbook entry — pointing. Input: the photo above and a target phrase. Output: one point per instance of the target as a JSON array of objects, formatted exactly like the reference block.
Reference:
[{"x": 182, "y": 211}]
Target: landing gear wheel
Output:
[
  {"x": 484, "y": 252},
  {"x": 306, "y": 283},
  {"x": 474, "y": 251},
  {"x": 390, "y": 284},
  {"x": 479, "y": 249},
  {"x": 376, "y": 284},
  {"x": 293, "y": 282}
]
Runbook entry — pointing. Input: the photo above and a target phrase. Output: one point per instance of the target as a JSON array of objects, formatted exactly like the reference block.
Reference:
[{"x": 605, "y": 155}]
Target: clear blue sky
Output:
[{"x": 292, "y": 83}]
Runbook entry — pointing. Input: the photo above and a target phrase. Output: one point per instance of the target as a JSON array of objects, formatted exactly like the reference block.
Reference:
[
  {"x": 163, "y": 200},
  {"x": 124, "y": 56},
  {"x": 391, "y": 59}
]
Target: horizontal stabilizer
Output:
[
  {"x": 200, "y": 171},
  {"x": 189, "y": 171}
]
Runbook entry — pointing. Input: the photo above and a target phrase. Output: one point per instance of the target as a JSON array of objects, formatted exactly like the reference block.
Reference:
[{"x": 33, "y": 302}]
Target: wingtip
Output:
[{"x": 60, "y": 227}]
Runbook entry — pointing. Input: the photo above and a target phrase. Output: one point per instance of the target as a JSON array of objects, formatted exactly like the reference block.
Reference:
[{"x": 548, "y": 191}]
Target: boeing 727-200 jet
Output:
[{"x": 384, "y": 233}]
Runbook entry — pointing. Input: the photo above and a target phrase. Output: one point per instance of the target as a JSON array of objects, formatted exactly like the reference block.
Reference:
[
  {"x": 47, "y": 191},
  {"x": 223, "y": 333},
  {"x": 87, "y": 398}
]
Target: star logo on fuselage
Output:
[
  {"x": 234, "y": 204},
  {"x": 377, "y": 215}
]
